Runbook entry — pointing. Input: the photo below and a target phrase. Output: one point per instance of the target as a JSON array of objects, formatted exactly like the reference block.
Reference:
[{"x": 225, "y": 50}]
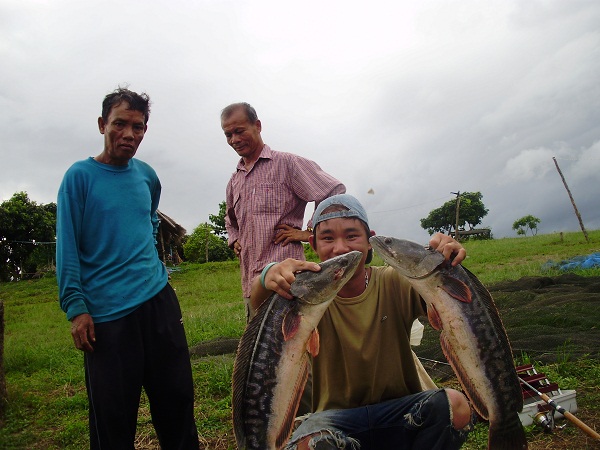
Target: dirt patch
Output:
[{"x": 221, "y": 346}]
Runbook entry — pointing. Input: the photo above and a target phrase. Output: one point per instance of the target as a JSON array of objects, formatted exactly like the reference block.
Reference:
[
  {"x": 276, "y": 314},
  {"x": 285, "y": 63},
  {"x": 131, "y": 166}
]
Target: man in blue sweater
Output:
[{"x": 114, "y": 289}]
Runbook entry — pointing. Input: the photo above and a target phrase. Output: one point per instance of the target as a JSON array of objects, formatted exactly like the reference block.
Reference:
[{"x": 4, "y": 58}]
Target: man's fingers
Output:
[
  {"x": 280, "y": 277},
  {"x": 82, "y": 330}
]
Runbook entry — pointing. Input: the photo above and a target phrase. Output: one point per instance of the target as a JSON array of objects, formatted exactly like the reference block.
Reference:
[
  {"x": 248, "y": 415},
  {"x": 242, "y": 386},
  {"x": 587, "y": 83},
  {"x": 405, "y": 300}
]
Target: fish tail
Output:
[{"x": 507, "y": 435}]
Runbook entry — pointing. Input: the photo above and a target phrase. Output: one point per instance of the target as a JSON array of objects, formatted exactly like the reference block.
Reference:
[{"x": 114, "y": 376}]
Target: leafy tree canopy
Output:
[
  {"x": 24, "y": 225},
  {"x": 203, "y": 246},
  {"x": 218, "y": 221},
  {"x": 526, "y": 223},
  {"x": 443, "y": 219}
]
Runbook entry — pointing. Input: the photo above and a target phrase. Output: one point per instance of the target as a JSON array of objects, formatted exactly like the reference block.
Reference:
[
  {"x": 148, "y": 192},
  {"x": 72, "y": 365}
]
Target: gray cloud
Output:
[{"x": 414, "y": 101}]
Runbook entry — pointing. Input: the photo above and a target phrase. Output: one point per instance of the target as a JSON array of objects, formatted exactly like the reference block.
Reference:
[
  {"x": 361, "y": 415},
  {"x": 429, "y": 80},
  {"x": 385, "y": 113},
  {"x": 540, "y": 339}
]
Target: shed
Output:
[{"x": 170, "y": 238}]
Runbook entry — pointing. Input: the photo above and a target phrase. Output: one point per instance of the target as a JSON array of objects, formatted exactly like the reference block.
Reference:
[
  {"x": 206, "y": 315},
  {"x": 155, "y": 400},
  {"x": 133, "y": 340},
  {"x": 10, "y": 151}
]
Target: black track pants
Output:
[{"x": 148, "y": 349}]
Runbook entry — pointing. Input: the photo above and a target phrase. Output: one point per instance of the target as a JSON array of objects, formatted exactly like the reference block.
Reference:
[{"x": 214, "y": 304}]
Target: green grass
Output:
[
  {"x": 44, "y": 372},
  {"x": 512, "y": 258}
]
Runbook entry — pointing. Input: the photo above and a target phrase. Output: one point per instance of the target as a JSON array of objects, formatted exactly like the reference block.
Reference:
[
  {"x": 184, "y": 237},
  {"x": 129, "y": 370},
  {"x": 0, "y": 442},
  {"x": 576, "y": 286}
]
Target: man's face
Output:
[
  {"x": 123, "y": 132},
  {"x": 335, "y": 237},
  {"x": 242, "y": 135}
]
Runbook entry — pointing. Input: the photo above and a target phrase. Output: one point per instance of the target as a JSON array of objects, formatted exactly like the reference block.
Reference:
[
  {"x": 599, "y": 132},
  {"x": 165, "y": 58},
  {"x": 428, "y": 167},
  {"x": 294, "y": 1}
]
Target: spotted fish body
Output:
[
  {"x": 472, "y": 335},
  {"x": 271, "y": 364}
]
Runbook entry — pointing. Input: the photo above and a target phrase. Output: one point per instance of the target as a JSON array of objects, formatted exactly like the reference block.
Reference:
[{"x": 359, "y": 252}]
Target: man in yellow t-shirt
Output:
[{"x": 366, "y": 390}]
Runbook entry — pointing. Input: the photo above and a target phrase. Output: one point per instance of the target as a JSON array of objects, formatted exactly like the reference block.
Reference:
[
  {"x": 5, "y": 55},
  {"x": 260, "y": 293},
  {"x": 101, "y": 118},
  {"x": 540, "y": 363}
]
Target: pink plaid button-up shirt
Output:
[{"x": 274, "y": 191}]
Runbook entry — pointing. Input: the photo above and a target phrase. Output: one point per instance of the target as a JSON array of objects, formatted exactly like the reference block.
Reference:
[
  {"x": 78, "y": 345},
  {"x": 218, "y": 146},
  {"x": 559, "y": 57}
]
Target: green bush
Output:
[{"x": 203, "y": 246}]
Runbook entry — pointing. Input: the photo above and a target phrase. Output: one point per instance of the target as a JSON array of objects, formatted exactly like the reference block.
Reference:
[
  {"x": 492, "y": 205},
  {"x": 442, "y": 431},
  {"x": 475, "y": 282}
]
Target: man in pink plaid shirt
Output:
[{"x": 266, "y": 197}]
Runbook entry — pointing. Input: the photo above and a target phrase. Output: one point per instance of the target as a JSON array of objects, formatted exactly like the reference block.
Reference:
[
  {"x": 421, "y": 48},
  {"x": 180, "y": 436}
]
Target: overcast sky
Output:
[{"x": 412, "y": 100}]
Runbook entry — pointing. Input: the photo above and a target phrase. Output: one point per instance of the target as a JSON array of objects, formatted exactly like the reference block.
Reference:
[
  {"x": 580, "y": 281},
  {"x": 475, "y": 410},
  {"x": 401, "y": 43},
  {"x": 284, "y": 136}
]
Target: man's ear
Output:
[
  {"x": 311, "y": 241},
  {"x": 101, "y": 125},
  {"x": 372, "y": 232}
]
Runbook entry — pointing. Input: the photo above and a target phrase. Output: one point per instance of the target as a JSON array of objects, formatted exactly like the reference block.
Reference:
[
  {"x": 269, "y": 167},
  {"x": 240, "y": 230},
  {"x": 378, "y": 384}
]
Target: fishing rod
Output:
[{"x": 582, "y": 426}]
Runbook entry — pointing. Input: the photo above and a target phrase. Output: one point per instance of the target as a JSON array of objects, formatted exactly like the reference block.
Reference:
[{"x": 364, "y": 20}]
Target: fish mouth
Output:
[
  {"x": 383, "y": 245},
  {"x": 411, "y": 259},
  {"x": 335, "y": 272},
  {"x": 339, "y": 273}
]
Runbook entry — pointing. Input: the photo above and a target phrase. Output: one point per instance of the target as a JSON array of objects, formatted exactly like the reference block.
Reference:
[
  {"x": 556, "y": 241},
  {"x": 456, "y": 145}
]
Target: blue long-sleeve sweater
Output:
[{"x": 106, "y": 258}]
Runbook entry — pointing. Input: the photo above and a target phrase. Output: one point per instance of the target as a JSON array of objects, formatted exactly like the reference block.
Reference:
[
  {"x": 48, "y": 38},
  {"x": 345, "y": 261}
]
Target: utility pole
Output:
[
  {"x": 572, "y": 201},
  {"x": 457, "y": 209}
]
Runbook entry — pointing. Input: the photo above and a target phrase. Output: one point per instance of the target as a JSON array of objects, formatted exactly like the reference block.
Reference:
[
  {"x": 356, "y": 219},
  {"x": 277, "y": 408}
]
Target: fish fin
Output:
[
  {"x": 290, "y": 415},
  {"x": 434, "y": 318},
  {"x": 456, "y": 288},
  {"x": 314, "y": 343},
  {"x": 463, "y": 378},
  {"x": 290, "y": 324},
  {"x": 508, "y": 435}
]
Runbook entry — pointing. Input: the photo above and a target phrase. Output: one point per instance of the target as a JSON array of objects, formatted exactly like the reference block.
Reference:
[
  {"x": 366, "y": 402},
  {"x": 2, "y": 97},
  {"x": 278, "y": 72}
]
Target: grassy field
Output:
[{"x": 47, "y": 399}]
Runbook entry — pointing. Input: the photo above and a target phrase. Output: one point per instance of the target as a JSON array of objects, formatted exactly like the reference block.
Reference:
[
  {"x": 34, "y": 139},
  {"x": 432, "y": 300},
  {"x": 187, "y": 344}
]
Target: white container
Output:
[{"x": 566, "y": 399}]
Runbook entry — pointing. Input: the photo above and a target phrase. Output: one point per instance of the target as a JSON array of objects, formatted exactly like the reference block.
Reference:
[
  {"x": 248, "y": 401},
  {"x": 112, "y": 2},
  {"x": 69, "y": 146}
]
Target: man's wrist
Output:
[{"x": 264, "y": 273}]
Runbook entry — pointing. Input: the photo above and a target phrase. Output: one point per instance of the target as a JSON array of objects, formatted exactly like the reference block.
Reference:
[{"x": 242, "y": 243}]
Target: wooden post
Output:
[
  {"x": 162, "y": 244},
  {"x": 457, "y": 209},
  {"x": 3, "y": 391},
  {"x": 572, "y": 201}
]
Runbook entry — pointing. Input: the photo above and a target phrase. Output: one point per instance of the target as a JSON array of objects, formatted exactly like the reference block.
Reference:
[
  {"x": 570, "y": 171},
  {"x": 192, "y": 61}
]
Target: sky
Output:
[{"x": 405, "y": 102}]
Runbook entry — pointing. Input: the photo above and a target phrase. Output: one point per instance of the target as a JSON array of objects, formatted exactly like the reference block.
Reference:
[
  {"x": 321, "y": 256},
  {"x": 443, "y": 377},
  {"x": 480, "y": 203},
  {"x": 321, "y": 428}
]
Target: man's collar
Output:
[{"x": 265, "y": 153}]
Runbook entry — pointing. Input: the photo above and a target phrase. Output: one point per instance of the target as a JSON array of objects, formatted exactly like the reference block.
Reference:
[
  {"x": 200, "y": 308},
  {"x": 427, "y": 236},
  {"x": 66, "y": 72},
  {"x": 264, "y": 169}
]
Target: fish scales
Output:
[
  {"x": 491, "y": 344},
  {"x": 261, "y": 375},
  {"x": 472, "y": 335},
  {"x": 271, "y": 364}
]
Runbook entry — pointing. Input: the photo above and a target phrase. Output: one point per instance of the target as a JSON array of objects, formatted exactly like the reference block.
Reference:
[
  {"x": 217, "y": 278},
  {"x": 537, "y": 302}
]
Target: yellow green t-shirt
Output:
[{"x": 365, "y": 355}]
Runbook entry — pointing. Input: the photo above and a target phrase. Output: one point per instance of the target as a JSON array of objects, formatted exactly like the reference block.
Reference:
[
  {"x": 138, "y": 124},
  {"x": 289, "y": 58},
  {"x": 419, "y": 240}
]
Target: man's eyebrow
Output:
[{"x": 345, "y": 230}]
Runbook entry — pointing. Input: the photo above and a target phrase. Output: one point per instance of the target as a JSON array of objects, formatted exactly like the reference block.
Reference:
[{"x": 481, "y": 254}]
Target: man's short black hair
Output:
[{"x": 137, "y": 102}]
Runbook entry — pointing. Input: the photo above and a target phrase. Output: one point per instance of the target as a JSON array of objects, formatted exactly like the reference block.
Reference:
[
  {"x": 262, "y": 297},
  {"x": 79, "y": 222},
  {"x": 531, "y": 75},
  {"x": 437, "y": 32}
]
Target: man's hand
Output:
[
  {"x": 286, "y": 235},
  {"x": 237, "y": 248},
  {"x": 450, "y": 248},
  {"x": 279, "y": 278},
  {"x": 82, "y": 330}
]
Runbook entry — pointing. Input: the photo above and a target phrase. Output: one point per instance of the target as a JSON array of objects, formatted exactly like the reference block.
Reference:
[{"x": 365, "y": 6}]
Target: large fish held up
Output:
[
  {"x": 472, "y": 335},
  {"x": 271, "y": 365}
]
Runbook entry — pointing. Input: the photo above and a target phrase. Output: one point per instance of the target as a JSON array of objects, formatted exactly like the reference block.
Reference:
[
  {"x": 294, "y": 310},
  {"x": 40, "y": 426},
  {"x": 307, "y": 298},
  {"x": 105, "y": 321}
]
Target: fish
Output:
[
  {"x": 272, "y": 360},
  {"x": 472, "y": 337}
]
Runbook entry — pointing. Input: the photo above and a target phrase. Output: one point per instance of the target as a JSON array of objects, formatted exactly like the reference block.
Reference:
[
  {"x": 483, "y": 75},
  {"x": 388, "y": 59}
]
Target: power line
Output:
[
  {"x": 34, "y": 242},
  {"x": 408, "y": 207}
]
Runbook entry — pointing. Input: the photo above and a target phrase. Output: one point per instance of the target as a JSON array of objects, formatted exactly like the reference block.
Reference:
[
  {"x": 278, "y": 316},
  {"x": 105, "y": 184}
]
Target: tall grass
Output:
[{"x": 47, "y": 399}]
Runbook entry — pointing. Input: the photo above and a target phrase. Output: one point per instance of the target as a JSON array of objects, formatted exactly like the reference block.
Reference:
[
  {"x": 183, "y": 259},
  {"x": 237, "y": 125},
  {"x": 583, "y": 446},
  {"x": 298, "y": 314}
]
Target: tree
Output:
[
  {"x": 203, "y": 246},
  {"x": 443, "y": 219},
  {"x": 218, "y": 221},
  {"x": 525, "y": 223},
  {"x": 27, "y": 236}
]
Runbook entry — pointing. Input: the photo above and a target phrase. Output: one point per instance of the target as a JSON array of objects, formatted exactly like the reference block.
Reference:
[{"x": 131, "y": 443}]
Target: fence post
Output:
[{"x": 3, "y": 392}]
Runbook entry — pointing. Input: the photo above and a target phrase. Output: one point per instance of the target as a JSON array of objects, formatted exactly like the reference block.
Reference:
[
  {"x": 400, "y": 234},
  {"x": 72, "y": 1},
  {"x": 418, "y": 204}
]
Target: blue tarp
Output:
[{"x": 578, "y": 262}]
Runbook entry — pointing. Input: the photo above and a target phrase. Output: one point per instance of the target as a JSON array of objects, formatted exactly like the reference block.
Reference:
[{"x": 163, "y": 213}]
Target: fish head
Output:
[
  {"x": 411, "y": 259},
  {"x": 318, "y": 287}
]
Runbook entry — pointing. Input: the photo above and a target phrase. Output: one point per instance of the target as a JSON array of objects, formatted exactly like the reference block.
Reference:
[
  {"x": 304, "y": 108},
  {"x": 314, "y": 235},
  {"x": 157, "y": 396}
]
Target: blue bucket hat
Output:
[{"x": 354, "y": 209}]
